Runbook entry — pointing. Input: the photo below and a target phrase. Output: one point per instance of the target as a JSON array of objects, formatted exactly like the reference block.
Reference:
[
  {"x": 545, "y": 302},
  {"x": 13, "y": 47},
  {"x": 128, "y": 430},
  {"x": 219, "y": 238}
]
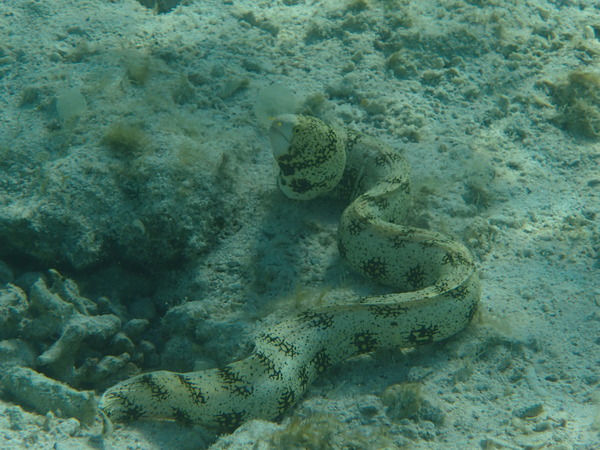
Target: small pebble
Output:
[
  {"x": 529, "y": 411},
  {"x": 70, "y": 427}
]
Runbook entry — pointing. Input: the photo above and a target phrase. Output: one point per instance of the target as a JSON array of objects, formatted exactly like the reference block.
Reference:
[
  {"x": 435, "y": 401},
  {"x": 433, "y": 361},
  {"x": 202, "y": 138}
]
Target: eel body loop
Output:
[{"x": 433, "y": 278}]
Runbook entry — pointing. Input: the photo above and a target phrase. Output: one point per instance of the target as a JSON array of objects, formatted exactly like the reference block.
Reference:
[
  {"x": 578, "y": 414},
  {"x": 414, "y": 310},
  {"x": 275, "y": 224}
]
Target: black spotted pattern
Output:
[
  {"x": 321, "y": 361},
  {"x": 157, "y": 391},
  {"x": 286, "y": 400},
  {"x": 375, "y": 268},
  {"x": 387, "y": 311},
  {"x": 455, "y": 258},
  {"x": 229, "y": 420},
  {"x": 399, "y": 181},
  {"x": 269, "y": 365},
  {"x": 130, "y": 411},
  {"x": 287, "y": 165},
  {"x": 460, "y": 292},
  {"x": 292, "y": 354},
  {"x": 301, "y": 185},
  {"x": 380, "y": 202},
  {"x": 471, "y": 312},
  {"x": 317, "y": 319},
  {"x": 404, "y": 186},
  {"x": 182, "y": 416},
  {"x": 355, "y": 227},
  {"x": 398, "y": 242},
  {"x": 387, "y": 159},
  {"x": 428, "y": 243},
  {"x": 303, "y": 378},
  {"x": 352, "y": 139},
  {"x": 415, "y": 276},
  {"x": 441, "y": 286},
  {"x": 365, "y": 342},
  {"x": 193, "y": 389},
  {"x": 280, "y": 343},
  {"x": 234, "y": 383},
  {"x": 423, "y": 334}
]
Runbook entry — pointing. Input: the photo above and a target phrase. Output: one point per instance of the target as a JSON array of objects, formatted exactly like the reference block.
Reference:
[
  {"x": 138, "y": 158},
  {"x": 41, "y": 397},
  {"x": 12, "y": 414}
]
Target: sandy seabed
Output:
[{"x": 134, "y": 160}]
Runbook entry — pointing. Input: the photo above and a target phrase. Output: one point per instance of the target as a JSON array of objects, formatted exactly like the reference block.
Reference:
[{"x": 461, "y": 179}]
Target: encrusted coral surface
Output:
[{"x": 49, "y": 326}]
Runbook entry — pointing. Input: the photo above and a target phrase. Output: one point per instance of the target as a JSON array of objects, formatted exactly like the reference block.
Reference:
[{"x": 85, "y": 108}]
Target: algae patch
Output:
[
  {"x": 325, "y": 431},
  {"x": 578, "y": 101},
  {"x": 125, "y": 139},
  {"x": 408, "y": 401}
]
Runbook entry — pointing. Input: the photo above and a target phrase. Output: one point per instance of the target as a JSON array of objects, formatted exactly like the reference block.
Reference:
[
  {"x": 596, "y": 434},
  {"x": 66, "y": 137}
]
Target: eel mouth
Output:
[{"x": 280, "y": 134}]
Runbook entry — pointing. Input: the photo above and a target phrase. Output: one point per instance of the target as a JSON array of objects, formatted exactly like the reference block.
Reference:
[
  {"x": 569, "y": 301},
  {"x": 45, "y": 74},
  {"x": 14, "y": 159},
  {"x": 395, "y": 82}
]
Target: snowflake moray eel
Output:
[{"x": 435, "y": 289}]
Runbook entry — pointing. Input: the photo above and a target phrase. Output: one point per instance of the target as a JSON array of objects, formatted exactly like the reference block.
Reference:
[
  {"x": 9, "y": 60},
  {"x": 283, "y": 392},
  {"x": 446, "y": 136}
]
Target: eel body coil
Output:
[{"x": 434, "y": 281}]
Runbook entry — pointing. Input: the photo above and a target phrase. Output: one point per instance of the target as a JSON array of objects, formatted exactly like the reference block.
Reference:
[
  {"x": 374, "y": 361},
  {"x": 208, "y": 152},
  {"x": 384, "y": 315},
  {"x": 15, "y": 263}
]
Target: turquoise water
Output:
[{"x": 139, "y": 207}]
